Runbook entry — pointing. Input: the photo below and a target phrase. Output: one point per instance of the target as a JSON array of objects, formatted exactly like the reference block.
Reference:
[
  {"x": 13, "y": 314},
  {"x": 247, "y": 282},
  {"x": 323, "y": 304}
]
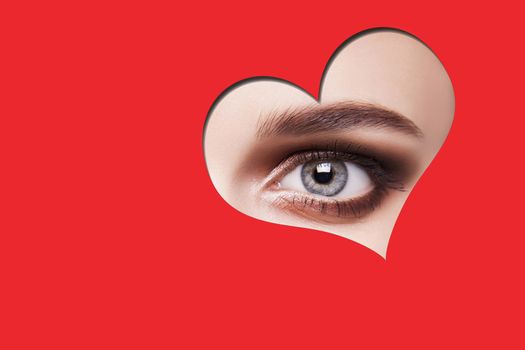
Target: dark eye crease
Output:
[{"x": 334, "y": 117}]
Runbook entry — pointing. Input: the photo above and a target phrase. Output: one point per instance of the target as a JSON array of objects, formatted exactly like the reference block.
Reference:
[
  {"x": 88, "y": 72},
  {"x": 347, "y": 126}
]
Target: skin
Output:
[{"x": 387, "y": 68}]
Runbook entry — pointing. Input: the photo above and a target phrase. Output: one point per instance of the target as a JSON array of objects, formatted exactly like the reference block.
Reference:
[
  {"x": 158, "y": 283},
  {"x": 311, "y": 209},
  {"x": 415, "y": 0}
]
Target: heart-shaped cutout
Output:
[{"x": 344, "y": 164}]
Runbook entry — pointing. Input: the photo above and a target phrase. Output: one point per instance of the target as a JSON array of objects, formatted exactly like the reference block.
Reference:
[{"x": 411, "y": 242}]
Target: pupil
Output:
[{"x": 323, "y": 173}]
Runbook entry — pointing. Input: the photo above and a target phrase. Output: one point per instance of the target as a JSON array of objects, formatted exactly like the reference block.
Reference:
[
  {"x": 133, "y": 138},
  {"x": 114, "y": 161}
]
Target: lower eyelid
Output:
[{"x": 325, "y": 209}]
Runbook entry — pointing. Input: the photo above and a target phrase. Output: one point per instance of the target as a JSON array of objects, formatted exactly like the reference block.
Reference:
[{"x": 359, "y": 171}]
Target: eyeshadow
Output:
[
  {"x": 264, "y": 157},
  {"x": 389, "y": 163}
]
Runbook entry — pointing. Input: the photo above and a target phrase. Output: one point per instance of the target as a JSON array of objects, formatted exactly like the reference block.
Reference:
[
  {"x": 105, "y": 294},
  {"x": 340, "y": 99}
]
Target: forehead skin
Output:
[{"x": 399, "y": 72}]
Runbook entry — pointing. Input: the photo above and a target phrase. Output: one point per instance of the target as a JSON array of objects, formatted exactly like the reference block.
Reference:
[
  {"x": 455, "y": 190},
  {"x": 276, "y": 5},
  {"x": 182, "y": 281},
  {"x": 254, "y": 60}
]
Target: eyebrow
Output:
[{"x": 333, "y": 117}]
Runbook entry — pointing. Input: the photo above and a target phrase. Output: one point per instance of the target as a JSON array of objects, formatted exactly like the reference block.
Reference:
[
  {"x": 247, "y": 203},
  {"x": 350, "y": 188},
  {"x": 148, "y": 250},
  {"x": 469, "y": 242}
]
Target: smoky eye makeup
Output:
[{"x": 332, "y": 182}]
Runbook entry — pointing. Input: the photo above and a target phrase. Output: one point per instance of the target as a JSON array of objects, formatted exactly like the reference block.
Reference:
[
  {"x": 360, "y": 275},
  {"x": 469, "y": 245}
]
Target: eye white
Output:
[{"x": 357, "y": 184}]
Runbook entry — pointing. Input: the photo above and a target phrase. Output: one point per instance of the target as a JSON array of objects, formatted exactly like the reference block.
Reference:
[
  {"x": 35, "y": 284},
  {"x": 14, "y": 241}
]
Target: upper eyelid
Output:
[
  {"x": 399, "y": 157},
  {"x": 334, "y": 117},
  {"x": 352, "y": 151}
]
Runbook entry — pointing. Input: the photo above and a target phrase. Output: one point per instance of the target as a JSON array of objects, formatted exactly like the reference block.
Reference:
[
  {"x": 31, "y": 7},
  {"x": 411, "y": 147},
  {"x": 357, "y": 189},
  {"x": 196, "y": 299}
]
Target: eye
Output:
[
  {"x": 329, "y": 185},
  {"x": 331, "y": 178}
]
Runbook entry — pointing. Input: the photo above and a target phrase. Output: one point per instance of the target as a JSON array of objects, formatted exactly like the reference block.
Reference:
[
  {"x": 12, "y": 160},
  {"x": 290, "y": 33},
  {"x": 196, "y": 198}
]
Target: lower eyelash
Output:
[{"x": 311, "y": 206}]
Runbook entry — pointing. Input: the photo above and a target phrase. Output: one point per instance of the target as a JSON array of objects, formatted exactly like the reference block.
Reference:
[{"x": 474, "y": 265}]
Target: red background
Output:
[{"x": 112, "y": 235}]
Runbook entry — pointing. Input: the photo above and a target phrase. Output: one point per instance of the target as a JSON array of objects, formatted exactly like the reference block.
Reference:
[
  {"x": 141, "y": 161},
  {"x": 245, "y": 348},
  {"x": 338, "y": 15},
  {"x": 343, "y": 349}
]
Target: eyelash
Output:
[{"x": 306, "y": 204}]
